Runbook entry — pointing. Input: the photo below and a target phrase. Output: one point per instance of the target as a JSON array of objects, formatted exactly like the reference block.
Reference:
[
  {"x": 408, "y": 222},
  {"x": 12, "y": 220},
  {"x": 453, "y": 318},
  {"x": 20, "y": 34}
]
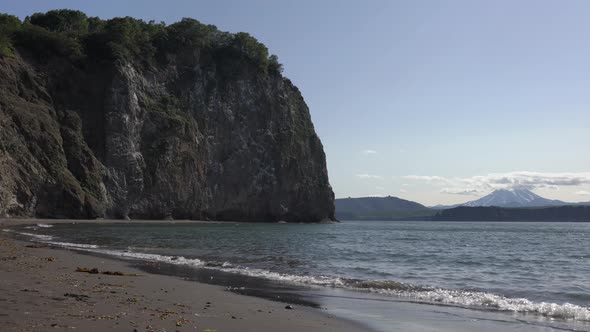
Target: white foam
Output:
[
  {"x": 306, "y": 280},
  {"x": 489, "y": 300},
  {"x": 44, "y": 225},
  {"x": 40, "y": 237},
  {"x": 154, "y": 257},
  {"x": 74, "y": 245}
]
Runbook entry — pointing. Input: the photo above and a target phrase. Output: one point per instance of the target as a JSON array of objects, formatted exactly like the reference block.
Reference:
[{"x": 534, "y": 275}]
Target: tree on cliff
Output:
[{"x": 73, "y": 34}]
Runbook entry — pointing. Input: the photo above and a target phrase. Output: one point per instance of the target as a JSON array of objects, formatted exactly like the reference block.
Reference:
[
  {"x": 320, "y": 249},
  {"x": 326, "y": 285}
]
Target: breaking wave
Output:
[{"x": 477, "y": 299}]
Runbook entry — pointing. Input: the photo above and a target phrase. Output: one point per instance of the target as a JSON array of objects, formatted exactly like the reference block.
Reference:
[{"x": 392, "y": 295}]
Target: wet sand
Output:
[{"x": 40, "y": 290}]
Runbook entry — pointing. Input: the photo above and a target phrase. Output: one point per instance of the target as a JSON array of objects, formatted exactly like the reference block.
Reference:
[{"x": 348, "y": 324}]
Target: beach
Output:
[
  {"x": 41, "y": 290},
  {"x": 180, "y": 275}
]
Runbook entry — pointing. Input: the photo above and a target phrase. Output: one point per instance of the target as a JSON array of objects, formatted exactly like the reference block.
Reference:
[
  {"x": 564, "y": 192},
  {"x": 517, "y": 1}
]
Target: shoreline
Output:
[
  {"x": 42, "y": 291},
  {"x": 10, "y": 221},
  {"x": 347, "y": 310},
  {"x": 33, "y": 221}
]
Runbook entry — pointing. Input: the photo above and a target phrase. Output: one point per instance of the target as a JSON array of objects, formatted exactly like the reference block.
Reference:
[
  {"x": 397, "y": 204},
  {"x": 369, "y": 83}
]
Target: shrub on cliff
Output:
[
  {"x": 124, "y": 38},
  {"x": 63, "y": 20},
  {"x": 188, "y": 32},
  {"x": 274, "y": 66},
  {"x": 44, "y": 44},
  {"x": 8, "y": 26}
]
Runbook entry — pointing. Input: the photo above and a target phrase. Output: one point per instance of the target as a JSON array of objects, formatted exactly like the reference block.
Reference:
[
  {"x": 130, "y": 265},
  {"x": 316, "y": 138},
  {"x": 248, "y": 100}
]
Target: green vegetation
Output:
[
  {"x": 188, "y": 32},
  {"x": 44, "y": 43},
  {"x": 235, "y": 52},
  {"x": 74, "y": 35},
  {"x": 8, "y": 26},
  {"x": 168, "y": 110},
  {"x": 274, "y": 64},
  {"x": 64, "y": 20}
]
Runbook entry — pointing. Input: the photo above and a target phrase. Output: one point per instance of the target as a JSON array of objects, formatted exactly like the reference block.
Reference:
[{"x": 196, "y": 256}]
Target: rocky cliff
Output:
[{"x": 128, "y": 119}]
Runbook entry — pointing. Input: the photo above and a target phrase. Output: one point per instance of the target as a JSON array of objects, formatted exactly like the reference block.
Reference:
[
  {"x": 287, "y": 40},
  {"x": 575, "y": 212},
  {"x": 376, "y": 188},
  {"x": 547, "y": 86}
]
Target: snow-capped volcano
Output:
[{"x": 516, "y": 197}]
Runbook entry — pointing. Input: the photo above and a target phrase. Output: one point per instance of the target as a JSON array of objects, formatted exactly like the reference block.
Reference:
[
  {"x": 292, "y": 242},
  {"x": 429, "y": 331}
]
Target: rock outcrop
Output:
[{"x": 189, "y": 132}]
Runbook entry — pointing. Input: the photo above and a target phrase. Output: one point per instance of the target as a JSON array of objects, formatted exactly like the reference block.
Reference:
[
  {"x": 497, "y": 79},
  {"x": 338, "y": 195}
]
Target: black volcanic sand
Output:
[{"x": 239, "y": 284}]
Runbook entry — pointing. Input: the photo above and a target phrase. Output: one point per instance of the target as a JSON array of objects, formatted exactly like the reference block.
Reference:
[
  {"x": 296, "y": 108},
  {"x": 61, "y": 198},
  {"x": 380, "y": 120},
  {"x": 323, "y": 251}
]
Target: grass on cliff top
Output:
[{"x": 74, "y": 35}]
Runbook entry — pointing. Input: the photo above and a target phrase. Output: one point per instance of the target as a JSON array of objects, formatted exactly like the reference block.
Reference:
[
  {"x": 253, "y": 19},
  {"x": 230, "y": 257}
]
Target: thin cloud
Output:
[
  {"x": 536, "y": 179},
  {"x": 369, "y": 176},
  {"x": 459, "y": 191},
  {"x": 368, "y": 152},
  {"x": 402, "y": 190},
  {"x": 427, "y": 178},
  {"x": 583, "y": 193},
  {"x": 475, "y": 185}
]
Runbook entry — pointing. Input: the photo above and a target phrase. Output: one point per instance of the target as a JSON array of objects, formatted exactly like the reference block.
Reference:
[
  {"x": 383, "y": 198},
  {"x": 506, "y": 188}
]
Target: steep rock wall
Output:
[{"x": 184, "y": 138}]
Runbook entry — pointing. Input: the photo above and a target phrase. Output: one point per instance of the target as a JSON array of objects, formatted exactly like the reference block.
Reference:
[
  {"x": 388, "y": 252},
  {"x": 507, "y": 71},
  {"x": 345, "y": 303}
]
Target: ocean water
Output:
[{"x": 537, "y": 274}]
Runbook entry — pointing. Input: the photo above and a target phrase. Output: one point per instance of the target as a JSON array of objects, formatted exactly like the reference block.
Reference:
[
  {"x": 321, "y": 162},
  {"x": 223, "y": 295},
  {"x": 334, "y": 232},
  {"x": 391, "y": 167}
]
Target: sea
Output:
[{"x": 386, "y": 275}]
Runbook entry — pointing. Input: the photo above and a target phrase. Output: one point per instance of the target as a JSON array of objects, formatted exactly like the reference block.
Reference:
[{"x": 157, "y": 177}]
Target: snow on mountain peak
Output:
[{"x": 513, "y": 197}]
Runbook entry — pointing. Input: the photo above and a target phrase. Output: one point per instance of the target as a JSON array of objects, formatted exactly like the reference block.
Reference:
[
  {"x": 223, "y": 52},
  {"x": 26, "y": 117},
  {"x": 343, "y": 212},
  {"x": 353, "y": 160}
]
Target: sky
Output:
[{"x": 435, "y": 101}]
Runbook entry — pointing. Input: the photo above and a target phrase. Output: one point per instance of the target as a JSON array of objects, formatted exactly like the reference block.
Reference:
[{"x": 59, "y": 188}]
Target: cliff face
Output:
[{"x": 194, "y": 135}]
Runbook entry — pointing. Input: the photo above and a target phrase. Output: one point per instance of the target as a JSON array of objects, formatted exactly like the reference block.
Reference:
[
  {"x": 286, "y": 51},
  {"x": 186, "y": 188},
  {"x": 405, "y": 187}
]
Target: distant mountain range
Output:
[{"x": 394, "y": 208}]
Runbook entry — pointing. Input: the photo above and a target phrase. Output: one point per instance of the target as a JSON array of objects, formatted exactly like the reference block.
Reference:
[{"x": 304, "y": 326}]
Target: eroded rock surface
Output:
[{"x": 188, "y": 136}]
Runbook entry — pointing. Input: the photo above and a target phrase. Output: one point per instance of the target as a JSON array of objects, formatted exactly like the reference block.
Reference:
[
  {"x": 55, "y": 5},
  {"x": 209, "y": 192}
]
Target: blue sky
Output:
[{"x": 432, "y": 101}]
